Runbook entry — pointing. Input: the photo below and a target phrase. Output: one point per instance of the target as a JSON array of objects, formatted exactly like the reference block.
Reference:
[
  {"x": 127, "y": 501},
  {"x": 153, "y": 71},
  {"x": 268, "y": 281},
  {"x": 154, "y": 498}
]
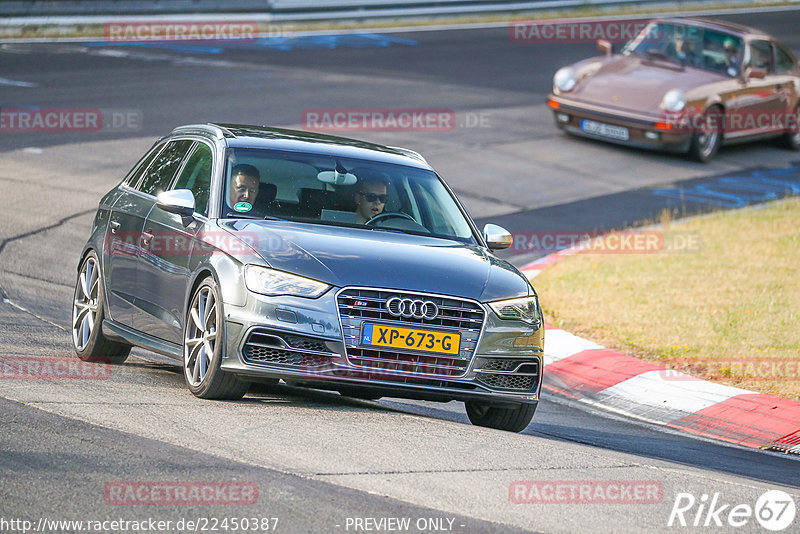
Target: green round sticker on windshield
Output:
[{"x": 242, "y": 206}]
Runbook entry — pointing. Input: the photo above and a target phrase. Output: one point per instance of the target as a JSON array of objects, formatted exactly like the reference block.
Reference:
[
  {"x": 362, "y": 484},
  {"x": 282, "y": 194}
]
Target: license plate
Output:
[
  {"x": 606, "y": 130},
  {"x": 410, "y": 338}
]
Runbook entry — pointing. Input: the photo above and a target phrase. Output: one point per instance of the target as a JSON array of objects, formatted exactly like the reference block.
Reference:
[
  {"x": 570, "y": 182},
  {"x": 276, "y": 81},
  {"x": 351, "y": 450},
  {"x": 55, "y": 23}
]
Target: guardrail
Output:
[{"x": 285, "y": 10}]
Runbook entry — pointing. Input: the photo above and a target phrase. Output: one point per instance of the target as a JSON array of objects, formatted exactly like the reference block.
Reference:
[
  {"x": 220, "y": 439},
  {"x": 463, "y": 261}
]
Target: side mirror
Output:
[
  {"x": 754, "y": 72},
  {"x": 605, "y": 47},
  {"x": 497, "y": 237},
  {"x": 178, "y": 201}
]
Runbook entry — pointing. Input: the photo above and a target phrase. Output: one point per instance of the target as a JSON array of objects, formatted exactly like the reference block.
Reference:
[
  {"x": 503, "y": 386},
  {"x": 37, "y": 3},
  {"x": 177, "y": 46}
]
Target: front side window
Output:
[
  {"x": 159, "y": 174},
  {"x": 196, "y": 176},
  {"x": 330, "y": 190}
]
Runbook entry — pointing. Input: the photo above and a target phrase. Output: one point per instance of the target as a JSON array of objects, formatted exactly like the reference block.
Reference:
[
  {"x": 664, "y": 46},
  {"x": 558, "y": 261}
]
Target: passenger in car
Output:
[{"x": 370, "y": 199}]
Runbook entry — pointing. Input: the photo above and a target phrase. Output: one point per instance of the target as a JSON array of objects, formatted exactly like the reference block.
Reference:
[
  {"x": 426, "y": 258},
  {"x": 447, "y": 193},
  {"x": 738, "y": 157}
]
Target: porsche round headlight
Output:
[
  {"x": 564, "y": 79},
  {"x": 673, "y": 100},
  {"x": 266, "y": 281}
]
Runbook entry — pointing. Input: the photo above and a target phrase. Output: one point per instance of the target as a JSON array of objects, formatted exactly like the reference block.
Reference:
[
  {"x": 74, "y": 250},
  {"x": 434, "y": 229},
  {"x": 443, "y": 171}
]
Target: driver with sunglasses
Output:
[{"x": 370, "y": 199}]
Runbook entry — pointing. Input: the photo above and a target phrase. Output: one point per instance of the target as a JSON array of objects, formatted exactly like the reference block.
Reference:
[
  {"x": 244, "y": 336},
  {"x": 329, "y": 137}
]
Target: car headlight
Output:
[
  {"x": 673, "y": 100},
  {"x": 521, "y": 309},
  {"x": 564, "y": 80},
  {"x": 266, "y": 281}
]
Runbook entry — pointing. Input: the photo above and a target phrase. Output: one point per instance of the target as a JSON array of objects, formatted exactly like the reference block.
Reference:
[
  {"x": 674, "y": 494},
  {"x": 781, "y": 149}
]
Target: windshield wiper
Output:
[{"x": 653, "y": 55}]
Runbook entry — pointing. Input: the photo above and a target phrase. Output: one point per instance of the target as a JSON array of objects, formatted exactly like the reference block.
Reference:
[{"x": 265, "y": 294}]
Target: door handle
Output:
[
  {"x": 147, "y": 237},
  {"x": 114, "y": 226}
]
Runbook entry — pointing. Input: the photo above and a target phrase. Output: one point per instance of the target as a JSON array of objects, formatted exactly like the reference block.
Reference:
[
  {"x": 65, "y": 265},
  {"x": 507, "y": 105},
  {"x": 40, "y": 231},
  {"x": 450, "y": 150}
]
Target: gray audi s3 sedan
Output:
[{"x": 256, "y": 254}]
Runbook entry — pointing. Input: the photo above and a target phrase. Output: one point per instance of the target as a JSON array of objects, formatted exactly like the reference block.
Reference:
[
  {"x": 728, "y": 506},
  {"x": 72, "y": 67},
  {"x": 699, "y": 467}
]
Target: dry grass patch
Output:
[{"x": 728, "y": 311}]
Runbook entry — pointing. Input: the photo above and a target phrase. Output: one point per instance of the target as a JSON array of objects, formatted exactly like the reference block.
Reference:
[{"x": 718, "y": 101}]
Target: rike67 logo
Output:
[{"x": 774, "y": 510}]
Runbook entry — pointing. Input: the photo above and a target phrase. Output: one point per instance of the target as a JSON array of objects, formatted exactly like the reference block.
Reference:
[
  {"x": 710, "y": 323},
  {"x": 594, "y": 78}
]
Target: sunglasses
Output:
[{"x": 372, "y": 197}]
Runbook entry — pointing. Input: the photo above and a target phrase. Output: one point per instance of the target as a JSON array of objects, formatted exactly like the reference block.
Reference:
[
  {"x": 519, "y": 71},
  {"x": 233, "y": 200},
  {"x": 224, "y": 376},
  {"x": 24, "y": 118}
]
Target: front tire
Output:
[
  {"x": 707, "y": 140},
  {"x": 204, "y": 345},
  {"x": 88, "y": 312},
  {"x": 511, "y": 419}
]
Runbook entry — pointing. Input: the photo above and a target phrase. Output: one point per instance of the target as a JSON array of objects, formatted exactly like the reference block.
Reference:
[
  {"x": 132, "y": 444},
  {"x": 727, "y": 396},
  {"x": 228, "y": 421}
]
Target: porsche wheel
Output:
[{"x": 708, "y": 138}]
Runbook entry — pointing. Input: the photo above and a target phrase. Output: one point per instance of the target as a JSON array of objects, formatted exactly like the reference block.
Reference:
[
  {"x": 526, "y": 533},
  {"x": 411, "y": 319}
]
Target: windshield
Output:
[
  {"x": 689, "y": 46},
  {"x": 329, "y": 190}
]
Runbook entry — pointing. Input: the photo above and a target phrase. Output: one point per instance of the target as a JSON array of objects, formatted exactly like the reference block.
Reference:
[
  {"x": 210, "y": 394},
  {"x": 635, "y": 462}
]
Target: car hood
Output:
[
  {"x": 343, "y": 256},
  {"x": 636, "y": 84}
]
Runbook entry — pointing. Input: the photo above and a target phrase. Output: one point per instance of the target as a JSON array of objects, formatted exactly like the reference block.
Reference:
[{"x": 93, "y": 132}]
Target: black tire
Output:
[
  {"x": 514, "y": 419},
  {"x": 88, "y": 312},
  {"x": 358, "y": 394},
  {"x": 203, "y": 329},
  {"x": 791, "y": 139},
  {"x": 707, "y": 140}
]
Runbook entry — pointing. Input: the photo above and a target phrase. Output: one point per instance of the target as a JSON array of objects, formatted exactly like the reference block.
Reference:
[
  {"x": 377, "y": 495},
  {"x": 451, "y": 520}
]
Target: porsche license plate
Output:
[
  {"x": 606, "y": 130},
  {"x": 410, "y": 338}
]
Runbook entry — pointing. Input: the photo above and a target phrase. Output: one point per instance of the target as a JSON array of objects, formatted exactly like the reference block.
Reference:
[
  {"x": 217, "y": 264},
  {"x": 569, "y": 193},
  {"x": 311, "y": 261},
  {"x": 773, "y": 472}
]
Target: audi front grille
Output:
[{"x": 409, "y": 310}]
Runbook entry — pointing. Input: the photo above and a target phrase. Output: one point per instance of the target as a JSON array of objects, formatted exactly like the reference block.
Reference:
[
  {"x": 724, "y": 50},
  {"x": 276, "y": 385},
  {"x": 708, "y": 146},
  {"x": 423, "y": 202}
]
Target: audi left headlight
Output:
[
  {"x": 521, "y": 309},
  {"x": 266, "y": 281}
]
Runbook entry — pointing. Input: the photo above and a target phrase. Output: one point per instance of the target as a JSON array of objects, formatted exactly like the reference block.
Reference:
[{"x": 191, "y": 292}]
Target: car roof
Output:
[
  {"x": 720, "y": 25},
  {"x": 248, "y": 136}
]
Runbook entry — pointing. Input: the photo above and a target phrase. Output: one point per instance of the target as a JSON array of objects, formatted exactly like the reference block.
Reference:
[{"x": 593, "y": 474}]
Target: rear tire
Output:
[
  {"x": 707, "y": 140},
  {"x": 204, "y": 345},
  {"x": 514, "y": 419},
  {"x": 791, "y": 139},
  {"x": 88, "y": 312}
]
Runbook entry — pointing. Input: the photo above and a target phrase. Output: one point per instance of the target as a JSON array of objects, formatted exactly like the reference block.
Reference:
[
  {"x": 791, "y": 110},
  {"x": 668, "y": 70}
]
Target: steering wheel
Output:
[{"x": 389, "y": 215}]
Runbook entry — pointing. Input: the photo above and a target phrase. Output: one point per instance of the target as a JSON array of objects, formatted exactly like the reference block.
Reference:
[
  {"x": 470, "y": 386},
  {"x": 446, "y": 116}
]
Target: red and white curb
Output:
[{"x": 598, "y": 376}]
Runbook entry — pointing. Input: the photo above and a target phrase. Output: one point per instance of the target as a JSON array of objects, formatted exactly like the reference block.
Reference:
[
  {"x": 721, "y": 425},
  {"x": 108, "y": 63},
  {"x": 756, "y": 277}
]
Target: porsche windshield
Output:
[
  {"x": 688, "y": 46},
  {"x": 324, "y": 189}
]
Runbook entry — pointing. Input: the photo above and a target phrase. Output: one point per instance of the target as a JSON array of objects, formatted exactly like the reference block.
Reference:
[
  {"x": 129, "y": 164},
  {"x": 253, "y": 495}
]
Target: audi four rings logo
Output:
[{"x": 408, "y": 308}]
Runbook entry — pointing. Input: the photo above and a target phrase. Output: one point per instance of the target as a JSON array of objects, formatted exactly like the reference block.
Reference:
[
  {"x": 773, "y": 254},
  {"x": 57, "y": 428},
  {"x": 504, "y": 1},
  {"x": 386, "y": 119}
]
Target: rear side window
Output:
[
  {"x": 196, "y": 176},
  {"x": 783, "y": 61},
  {"x": 761, "y": 56},
  {"x": 141, "y": 166},
  {"x": 159, "y": 174}
]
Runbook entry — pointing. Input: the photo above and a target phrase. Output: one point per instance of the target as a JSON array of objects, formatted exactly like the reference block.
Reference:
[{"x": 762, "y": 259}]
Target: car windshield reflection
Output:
[
  {"x": 321, "y": 189},
  {"x": 688, "y": 46}
]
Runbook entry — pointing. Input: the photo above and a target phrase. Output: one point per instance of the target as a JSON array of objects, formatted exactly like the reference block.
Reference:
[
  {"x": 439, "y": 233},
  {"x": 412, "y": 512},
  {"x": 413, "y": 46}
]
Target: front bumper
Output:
[
  {"x": 650, "y": 132},
  {"x": 301, "y": 340}
]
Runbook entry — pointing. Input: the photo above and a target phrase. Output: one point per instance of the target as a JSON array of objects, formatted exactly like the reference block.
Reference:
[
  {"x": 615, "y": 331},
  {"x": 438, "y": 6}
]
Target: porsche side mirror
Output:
[{"x": 605, "y": 47}]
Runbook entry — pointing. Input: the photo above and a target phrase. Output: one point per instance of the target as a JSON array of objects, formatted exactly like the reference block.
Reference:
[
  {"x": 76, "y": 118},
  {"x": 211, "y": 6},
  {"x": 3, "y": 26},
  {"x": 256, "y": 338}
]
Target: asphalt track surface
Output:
[{"x": 318, "y": 458}]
